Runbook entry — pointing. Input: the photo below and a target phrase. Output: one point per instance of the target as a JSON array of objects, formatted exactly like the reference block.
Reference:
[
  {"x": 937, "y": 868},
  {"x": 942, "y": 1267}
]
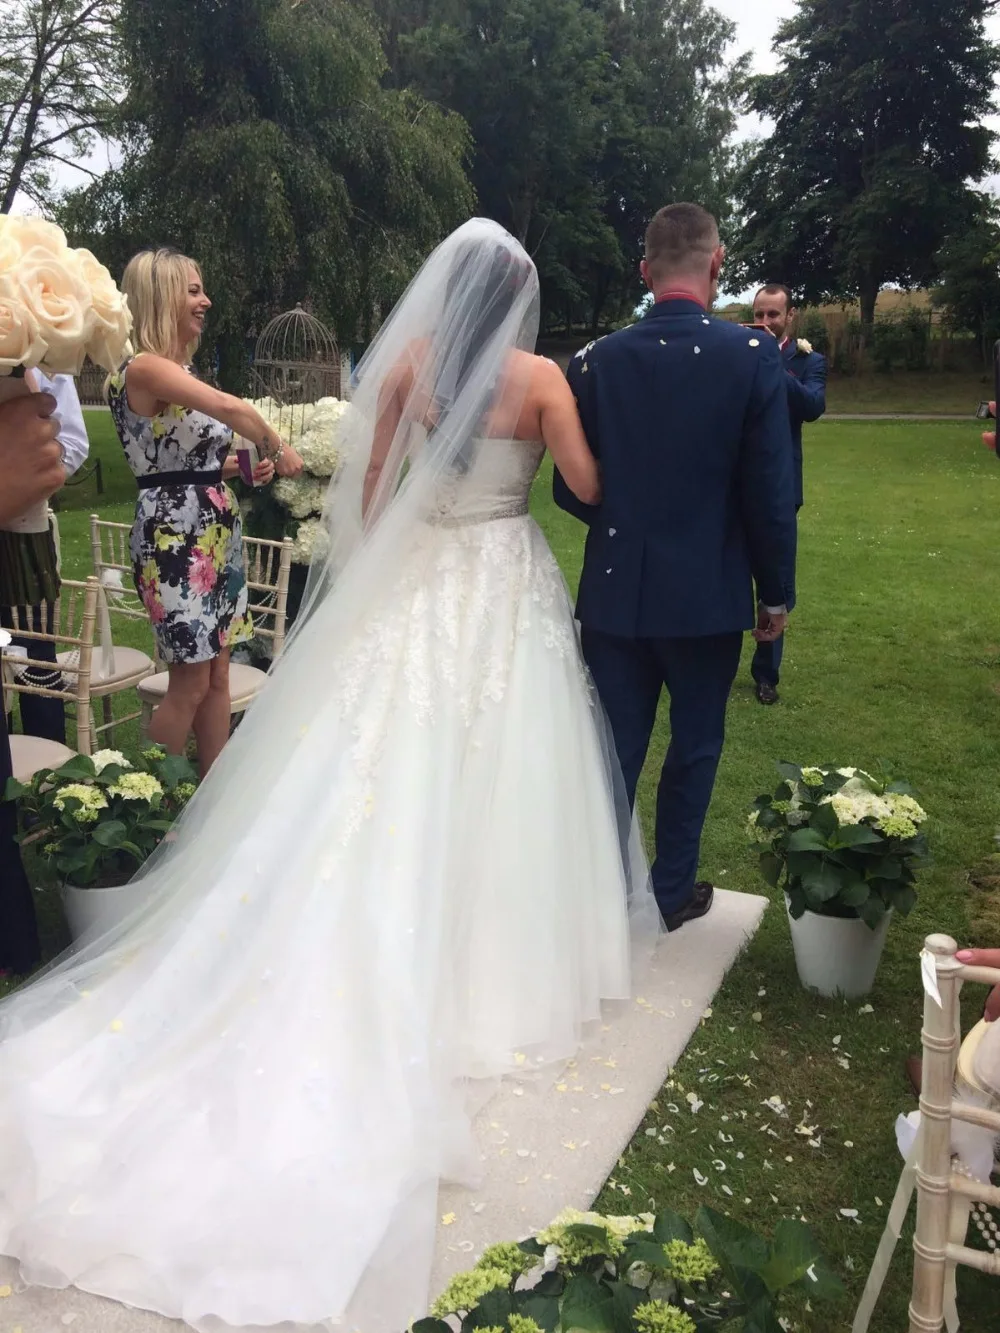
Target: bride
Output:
[{"x": 411, "y": 869}]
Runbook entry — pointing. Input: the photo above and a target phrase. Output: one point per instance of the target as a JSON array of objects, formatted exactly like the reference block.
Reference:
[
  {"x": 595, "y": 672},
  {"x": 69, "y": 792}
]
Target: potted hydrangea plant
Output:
[
  {"x": 845, "y": 847},
  {"x": 641, "y": 1274},
  {"x": 96, "y": 819}
]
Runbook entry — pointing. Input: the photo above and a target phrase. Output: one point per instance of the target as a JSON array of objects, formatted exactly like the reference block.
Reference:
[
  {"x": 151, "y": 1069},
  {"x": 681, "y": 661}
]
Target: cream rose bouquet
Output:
[{"x": 57, "y": 307}]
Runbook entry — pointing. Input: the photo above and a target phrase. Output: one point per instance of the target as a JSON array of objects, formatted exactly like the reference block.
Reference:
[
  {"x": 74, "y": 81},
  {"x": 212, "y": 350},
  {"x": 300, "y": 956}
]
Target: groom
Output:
[{"x": 688, "y": 416}]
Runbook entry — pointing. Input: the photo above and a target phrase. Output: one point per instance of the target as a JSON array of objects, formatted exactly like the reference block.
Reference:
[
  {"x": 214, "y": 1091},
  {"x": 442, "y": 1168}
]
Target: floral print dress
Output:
[{"x": 187, "y": 541}]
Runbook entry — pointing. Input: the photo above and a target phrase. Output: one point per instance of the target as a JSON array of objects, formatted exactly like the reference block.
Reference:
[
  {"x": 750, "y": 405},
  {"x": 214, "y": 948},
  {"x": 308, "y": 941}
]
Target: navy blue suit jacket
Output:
[
  {"x": 689, "y": 418},
  {"x": 806, "y": 398}
]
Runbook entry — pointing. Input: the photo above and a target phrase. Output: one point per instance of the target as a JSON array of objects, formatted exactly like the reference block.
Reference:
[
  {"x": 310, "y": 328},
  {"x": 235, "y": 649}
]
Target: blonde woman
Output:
[{"x": 186, "y": 546}]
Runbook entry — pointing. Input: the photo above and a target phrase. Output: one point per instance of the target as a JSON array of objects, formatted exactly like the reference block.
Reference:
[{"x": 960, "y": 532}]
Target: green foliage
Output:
[
  {"x": 970, "y": 277},
  {"x": 585, "y": 118},
  {"x": 59, "y": 86},
  {"x": 259, "y": 139},
  {"x": 878, "y": 112},
  {"x": 847, "y": 844},
  {"x": 638, "y": 1275},
  {"x": 98, "y": 818},
  {"x": 900, "y": 341},
  {"x": 813, "y": 327}
]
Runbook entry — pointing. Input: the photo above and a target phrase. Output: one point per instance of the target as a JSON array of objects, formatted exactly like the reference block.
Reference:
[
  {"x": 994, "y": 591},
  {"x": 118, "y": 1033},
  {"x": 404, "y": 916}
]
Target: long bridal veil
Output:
[
  {"x": 236, "y": 1104},
  {"x": 445, "y": 355}
]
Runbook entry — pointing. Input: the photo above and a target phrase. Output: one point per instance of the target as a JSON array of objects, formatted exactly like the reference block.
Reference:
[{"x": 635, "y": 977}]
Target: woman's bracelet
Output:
[{"x": 274, "y": 454}]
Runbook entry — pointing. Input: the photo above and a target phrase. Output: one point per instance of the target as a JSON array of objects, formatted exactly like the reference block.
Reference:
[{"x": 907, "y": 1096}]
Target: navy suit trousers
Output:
[
  {"x": 766, "y": 661},
  {"x": 698, "y": 674}
]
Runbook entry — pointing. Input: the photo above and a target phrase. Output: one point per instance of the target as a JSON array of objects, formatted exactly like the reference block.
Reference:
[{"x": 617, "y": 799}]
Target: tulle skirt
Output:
[{"x": 410, "y": 871}]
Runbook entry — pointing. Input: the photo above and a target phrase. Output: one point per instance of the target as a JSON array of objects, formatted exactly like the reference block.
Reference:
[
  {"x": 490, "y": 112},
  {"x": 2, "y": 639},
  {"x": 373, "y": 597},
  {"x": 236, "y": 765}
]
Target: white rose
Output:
[
  {"x": 35, "y": 233},
  {"x": 804, "y": 346},
  {"x": 21, "y": 343},
  {"x": 109, "y": 342},
  {"x": 54, "y": 291},
  {"x": 10, "y": 252}
]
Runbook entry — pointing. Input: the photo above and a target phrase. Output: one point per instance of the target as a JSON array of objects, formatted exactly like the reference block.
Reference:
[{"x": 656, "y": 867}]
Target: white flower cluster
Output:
[
  {"x": 137, "y": 787},
  {"x": 91, "y": 799},
  {"x": 57, "y": 305},
  {"x": 312, "y": 541},
  {"x": 316, "y": 431},
  {"x": 301, "y": 496},
  {"x": 102, "y": 758},
  {"x": 895, "y": 814}
]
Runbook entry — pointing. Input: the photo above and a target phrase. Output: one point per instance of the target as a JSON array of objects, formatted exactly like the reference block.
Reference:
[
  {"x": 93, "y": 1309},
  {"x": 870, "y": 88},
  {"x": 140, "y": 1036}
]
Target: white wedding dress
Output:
[{"x": 413, "y": 877}]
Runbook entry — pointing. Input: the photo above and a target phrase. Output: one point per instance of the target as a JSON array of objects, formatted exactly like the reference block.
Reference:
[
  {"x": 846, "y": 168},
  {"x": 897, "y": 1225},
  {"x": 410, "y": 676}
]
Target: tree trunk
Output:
[{"x": 868, "y": 295}]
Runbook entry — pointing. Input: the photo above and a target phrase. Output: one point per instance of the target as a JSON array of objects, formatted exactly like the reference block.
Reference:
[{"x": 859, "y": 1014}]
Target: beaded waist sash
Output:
[{"x": 518, "y": 509}]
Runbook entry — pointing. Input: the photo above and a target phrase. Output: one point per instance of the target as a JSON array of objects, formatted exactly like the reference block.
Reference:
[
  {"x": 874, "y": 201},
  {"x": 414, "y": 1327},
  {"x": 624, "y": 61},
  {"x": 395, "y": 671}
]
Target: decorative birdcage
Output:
[{"x": 296, "y": 363}]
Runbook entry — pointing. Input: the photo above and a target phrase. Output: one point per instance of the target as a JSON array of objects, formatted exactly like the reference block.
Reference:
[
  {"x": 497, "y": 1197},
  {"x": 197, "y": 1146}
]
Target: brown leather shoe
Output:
[{"x": 914, "y": 1072}]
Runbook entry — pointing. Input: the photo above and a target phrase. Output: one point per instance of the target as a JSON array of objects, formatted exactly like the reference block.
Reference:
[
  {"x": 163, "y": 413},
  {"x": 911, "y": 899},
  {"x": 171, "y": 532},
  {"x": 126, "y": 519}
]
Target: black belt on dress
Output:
[{"x": 179, "y": 479}]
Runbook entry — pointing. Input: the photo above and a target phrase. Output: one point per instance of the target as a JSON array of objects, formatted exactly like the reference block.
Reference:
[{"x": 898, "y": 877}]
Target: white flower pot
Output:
[
  {"x": 837, "y": 955},
  {"x": 99, "y": 908}
]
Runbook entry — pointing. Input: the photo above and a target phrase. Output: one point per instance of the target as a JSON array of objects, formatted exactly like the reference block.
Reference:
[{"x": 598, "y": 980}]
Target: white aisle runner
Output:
[{"x": 545, "y": 1147}]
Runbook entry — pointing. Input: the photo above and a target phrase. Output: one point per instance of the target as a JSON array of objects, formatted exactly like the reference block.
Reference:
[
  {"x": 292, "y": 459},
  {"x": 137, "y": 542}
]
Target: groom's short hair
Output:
[{"x": 680, "y": 238}]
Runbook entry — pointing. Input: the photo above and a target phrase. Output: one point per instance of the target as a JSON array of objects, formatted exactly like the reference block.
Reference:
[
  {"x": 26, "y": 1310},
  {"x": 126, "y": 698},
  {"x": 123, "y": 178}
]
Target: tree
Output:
[
  {"x": 675, "y": 110},
  {"x": 970, "y": 278},
  {"x": 877, "y": 109},
  {"x": 259, "y": 139},
  {"x": 586, "y": 115},
  {"x": 59, "y": 86}
]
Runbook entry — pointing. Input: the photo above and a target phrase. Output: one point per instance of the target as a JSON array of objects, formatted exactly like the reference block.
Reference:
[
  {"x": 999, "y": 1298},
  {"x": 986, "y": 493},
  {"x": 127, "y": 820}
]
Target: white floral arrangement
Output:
[
  {"x": 57, "y": 305},
  {"x": 804, "y": 345},
  {"x": 315, "y": 431},
  {"x": 98, "y": 817},
  {"x": 644, "y": 1274},
  {"x": 840, "y": 841}
]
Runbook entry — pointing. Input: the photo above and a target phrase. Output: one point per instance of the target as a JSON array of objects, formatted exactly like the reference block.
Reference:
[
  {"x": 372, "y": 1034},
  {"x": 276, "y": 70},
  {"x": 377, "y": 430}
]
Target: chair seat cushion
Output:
[
  {"x": 128, "y": 663},
  {"x": 31, "y": 753},
  {"x": 244, "y": 682}
]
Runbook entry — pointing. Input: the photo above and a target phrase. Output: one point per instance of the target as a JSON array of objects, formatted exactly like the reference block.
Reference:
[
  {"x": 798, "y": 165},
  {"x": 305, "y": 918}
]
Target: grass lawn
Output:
[
  {"x": 939, "y": 393},
  {"x": 894, "y": 655}
]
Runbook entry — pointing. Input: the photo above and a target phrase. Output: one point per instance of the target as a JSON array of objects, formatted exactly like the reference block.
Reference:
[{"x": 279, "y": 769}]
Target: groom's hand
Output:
[{"x": 770, "y": 625}]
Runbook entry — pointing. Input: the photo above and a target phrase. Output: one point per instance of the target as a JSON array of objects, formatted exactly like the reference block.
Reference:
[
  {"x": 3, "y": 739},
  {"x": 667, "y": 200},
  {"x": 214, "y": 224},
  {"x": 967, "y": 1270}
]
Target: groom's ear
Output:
[
  {"x": 644, "y": 272},
  {"x": 717, "y": 259}
]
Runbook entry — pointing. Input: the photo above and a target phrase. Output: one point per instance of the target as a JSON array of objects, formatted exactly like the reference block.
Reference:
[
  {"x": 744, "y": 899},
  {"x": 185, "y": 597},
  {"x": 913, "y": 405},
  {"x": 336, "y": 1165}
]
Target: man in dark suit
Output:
[
  {"x": 689, "y": 418},
  {"x": 806, "y": 383}
]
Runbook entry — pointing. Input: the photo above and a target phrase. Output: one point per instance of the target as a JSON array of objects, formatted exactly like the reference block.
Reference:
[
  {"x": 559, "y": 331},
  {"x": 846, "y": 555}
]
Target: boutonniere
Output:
[{"x": 803, "y": 345}]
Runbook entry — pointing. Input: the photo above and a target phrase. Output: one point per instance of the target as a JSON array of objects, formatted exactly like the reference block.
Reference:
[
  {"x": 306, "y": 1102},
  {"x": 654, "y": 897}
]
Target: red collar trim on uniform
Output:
[{"x": 680, "y": 296}]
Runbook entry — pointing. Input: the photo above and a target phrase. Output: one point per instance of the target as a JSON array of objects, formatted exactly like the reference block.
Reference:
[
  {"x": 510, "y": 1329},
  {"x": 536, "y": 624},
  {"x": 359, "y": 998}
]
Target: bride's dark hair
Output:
[{"x": 480, "y": 294}]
